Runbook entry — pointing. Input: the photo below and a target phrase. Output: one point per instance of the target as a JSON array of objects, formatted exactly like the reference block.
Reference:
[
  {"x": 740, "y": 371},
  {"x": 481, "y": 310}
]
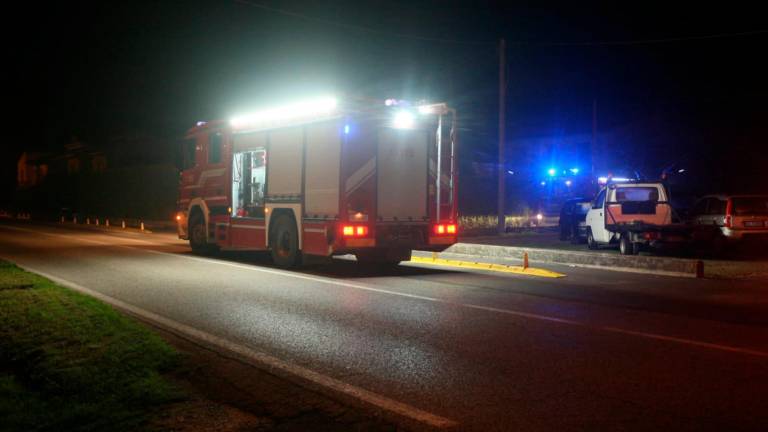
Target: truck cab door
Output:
[{"x": 596, "y": 218}]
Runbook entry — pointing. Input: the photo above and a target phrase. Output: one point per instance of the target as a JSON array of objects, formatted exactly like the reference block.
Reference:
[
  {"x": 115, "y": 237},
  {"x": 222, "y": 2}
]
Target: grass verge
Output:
[{"x": 70, "y": 362}]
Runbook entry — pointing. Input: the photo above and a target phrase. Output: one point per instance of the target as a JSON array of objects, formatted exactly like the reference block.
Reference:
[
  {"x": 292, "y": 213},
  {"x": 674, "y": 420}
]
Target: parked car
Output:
[
  {"x": 634, "y": 215},
  {"x": 573, "y": 220},
  {"x": 731, "y": 218}
]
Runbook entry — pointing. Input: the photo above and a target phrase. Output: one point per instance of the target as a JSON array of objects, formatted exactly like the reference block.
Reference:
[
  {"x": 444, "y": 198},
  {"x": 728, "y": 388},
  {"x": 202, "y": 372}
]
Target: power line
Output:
[
  {"x": 650, "y": 41},
  {"x": 657, "y": 41}
]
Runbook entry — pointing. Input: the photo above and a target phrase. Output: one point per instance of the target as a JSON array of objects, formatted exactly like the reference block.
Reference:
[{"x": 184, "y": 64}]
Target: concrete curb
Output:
[{"x": 637, "y": 264}]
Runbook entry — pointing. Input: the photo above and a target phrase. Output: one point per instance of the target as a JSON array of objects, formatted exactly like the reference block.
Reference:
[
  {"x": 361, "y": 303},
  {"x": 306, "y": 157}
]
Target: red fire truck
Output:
[{"x": 323, "y": 177}]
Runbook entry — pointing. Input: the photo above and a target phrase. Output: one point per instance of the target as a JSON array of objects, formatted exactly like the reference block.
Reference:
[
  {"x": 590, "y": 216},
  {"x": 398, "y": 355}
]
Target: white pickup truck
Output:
[{"x": 634, "y": 215}]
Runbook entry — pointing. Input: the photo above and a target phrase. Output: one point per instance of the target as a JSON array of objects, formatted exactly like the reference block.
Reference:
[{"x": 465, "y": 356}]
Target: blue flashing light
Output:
[
  {"x": 543, "y": 183},
  {"x": 574, "y": 170},
  {"x": 346, "y": 129},
  {"x": 551, "y": 172}
]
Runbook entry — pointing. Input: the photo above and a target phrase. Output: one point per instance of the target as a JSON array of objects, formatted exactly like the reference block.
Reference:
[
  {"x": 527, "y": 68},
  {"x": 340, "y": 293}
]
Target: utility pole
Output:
[
  {"x": 501, "y": 223},
  {"x": 594, "y": 138}
]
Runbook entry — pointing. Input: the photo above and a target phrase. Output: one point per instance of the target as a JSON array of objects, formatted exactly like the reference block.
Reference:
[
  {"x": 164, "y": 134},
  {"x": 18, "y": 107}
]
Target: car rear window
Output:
[
  {"x": 750, "y": 206},
  {"x": 637, "y": 194}
]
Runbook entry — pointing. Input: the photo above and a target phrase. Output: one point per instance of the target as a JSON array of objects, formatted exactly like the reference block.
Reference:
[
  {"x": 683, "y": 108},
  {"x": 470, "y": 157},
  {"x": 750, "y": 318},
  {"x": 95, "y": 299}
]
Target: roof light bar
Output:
[
  {"x": 302, "y": 110},
  {"x": 603, "y": 180}
]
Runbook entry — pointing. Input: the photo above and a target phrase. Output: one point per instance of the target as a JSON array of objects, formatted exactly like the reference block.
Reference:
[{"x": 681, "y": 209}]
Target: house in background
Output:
[
  {"x": 139, "y": 169},
  {"x": 33, "y": 168}
]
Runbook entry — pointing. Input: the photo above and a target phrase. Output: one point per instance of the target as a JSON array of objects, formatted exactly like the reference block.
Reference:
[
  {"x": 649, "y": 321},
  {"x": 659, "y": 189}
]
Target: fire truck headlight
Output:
[{"x": 403, "y": 120}]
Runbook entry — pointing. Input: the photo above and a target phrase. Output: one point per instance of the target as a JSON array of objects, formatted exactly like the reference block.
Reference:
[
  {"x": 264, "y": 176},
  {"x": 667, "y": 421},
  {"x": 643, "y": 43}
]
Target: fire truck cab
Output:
[{"x": 323, "y": 177}]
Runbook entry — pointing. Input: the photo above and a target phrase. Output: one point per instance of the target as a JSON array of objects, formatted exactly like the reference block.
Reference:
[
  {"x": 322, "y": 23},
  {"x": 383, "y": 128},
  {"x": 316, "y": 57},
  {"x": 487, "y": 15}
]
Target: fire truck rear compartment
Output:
[{"x": 402, "y": 175}]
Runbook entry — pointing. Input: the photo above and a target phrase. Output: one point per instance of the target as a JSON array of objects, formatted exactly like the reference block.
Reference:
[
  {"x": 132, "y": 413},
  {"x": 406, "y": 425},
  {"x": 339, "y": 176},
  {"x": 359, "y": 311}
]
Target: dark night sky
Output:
[{"x": 97, "y": 70}]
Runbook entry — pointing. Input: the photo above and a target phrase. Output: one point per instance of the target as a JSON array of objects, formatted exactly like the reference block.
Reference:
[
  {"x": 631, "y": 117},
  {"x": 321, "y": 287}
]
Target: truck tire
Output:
[
  {"x": 284, "y": 242},
  {"x": 198, "y": 240},
  {"x": 591, "y": 243},
  {"x": 626, "y": 247}
]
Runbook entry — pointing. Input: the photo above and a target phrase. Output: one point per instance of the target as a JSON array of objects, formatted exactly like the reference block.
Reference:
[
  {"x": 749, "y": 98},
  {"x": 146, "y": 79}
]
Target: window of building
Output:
[
  {"x": 73, "y": 165},
  {"x": 99, "y": 164}
]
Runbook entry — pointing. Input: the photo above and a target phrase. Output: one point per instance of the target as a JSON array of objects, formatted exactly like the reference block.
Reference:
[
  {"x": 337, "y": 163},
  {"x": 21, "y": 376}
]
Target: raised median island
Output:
[{"x": 642, "y": 264}]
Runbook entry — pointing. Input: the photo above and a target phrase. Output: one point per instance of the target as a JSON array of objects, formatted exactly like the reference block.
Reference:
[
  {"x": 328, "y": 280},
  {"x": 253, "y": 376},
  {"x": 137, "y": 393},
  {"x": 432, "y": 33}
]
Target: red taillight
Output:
[
  {"x": 354, "y": 230},
  {"x": 728, "y": 211},
  {"x": 651, "y": 236},
  {"x": 443, "y": 229}
]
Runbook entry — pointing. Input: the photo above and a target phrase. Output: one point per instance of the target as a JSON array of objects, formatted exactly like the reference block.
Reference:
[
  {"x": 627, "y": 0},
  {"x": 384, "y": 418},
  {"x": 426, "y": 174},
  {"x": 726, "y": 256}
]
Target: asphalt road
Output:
[{"x": 597, "y": 350}]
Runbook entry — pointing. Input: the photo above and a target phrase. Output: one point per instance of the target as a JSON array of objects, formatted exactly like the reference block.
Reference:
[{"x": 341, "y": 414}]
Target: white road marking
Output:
[{"x": 335, "y": 282}]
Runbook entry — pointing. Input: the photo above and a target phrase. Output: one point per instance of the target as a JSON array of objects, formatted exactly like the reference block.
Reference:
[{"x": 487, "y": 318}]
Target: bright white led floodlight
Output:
[
  {"x": 403, "y": 120},
  {"x": 301, "y": 110}
]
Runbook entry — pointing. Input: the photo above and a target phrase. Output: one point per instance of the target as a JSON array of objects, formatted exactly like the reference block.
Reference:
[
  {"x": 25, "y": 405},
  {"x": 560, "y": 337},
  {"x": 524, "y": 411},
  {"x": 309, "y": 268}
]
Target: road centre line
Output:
[{"x": 546, "y": 318}]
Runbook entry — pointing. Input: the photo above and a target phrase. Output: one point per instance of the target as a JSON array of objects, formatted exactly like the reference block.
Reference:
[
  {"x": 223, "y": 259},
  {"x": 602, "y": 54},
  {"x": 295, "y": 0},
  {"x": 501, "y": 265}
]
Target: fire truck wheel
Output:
[
  {"x": 284, "y": 242},
  {"x": 197, "y": 240}
]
